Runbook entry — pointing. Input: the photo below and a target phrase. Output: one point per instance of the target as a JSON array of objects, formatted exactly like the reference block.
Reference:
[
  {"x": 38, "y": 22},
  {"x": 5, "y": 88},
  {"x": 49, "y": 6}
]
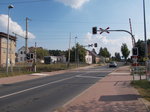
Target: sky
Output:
[{"x": 52, "y": 21}]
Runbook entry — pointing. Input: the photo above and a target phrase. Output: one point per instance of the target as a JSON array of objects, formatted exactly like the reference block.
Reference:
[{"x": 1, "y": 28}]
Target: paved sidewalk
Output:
[{"x": 113, "y": 93}]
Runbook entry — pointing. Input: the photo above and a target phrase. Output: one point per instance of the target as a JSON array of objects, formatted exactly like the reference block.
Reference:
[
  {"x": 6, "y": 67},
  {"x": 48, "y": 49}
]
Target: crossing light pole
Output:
[{"x": 145, "y": 37}]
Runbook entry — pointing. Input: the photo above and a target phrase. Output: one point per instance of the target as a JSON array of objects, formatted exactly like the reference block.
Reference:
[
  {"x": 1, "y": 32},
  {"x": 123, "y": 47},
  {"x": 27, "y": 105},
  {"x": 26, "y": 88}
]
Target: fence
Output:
[
  {"x": 25, "y": 68},
  {"x": 141, "y": 71},
  {"x": 138, "y": 71}
]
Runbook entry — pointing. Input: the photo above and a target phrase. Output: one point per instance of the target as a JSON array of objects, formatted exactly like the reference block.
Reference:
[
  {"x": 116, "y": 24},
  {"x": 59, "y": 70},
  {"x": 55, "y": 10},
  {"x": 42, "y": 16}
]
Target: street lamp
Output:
[{"x": 9, "y": 7}]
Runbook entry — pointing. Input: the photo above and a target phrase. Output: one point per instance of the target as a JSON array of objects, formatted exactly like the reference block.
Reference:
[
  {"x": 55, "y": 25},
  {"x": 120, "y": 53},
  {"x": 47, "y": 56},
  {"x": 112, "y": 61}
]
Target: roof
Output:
[
  {"x": 32, "y": 49},
  {"x": 21, "y": 48},
  {"x": 2, "y": 34},
  {"x": 92, "y": 53}
]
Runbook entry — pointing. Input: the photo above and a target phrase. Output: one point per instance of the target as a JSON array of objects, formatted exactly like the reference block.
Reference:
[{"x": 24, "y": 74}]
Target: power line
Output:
[{"x": 21, "y": 2}]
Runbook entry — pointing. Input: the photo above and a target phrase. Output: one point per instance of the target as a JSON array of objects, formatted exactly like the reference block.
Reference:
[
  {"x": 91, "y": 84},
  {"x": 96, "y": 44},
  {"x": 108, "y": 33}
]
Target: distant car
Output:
[{"x": 113, "y": 64}]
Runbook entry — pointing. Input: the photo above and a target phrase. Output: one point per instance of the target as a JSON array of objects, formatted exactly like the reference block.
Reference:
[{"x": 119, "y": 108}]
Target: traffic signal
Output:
[
  {"x": 27, "y": 56},
  {"x": 94, "y": 30},
  {"x": 95, "y": 44},
  {"x": 90, "y": 45},
  {"x": 135, "y": 51}
]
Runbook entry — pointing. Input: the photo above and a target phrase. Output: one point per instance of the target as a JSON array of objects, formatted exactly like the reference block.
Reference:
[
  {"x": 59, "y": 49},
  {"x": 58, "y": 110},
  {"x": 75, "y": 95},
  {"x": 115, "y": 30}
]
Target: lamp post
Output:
[{"x": 7, "y": 53}]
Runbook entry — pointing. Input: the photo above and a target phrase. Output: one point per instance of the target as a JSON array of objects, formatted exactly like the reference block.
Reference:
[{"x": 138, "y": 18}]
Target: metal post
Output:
[
  {"x": 131, "y": 32},
  {"x": 133, "y": 44},
  {"x": 35, "y": 58},
  {"x": 26, "y": 38},
  {"x": 7, "y": 53},
  {"x": 69, "y": 51},
  {"x": 145, "y": 36},
  {"x": 75, "y": 51},
  {"x": 77, "y": 57}
]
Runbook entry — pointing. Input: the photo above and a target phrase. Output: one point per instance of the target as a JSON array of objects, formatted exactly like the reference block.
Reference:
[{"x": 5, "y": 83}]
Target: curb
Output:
[
  {"x": 146, "y": 105},
  {"x": 86, "y": 90}
]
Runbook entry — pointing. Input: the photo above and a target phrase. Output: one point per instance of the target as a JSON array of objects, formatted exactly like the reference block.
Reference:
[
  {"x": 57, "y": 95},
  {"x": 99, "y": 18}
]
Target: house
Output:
[
  {"x": 91, "y": 57},
  {"x": 88, "y": 57},
  {"x": 22, "y": 54},
  {"x": 54, "y": 59},
  {"x": 3, "y": 49}
]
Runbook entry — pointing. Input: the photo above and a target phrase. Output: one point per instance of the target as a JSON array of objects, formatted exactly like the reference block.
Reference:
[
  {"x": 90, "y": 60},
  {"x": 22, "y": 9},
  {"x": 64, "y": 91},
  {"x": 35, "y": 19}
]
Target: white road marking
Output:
[
  {"x": 15, "y": 93},
  {"x": 87, "y": 76},
  {"x": 39, "y": 74},
  {"x": 120, "y": 73}
]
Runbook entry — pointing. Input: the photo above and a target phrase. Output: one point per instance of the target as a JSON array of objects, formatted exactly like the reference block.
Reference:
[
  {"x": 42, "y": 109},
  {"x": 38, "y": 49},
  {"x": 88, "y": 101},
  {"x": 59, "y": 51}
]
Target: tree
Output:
[
  {"x": 125, "y": 51},
  {"x": 141, "y": 49},
  {"x": 56, "y": 52},
  {"x": 117, "y": 56},
  {"x": 41, "y": 53},
  {"x": 80, "y": 53},
  {"x": 104, "y": 52}
]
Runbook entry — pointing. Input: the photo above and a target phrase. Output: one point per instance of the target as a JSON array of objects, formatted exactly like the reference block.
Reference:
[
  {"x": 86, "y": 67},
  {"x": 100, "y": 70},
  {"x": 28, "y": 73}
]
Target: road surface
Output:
[{"x": 48, "y": 93}]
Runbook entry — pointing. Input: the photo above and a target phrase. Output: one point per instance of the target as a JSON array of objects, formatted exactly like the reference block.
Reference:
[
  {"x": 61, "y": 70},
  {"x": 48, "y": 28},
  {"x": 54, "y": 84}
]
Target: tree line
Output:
[{"x": 80, "y": 52}]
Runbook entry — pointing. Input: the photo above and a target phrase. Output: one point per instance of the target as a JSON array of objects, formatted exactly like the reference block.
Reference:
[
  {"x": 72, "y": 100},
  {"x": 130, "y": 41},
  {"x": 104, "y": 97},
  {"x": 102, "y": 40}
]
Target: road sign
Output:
[
  {"x": 145, "y": 58},
  {"x": 135, "y": 56},
  {"x": 135, "y": 64},
  {"x": 104, "y": 30}
]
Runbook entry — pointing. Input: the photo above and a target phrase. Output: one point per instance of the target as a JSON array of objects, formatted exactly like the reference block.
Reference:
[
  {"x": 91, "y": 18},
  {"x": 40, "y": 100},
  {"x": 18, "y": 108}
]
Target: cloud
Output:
[
  {"x": 113, "y": 45},
  {"x": 76, "y": 4},
  {"x": 14, "y": 27}
]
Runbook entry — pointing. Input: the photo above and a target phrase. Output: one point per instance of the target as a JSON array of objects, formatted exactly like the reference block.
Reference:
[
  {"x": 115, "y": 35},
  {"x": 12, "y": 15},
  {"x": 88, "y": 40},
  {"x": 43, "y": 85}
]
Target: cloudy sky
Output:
[{"x": 53, "y": 20}]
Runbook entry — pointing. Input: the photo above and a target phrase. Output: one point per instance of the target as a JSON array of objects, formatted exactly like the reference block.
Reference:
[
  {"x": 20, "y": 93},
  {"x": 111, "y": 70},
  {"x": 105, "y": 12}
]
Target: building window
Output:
[
  {"x": 21, "y": 52},
  {"x": 31, "y": 56}
]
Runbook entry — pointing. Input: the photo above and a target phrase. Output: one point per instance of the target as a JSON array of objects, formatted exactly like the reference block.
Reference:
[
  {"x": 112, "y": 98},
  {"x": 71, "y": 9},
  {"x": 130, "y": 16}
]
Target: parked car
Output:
[{"x": 112, "y": 64}]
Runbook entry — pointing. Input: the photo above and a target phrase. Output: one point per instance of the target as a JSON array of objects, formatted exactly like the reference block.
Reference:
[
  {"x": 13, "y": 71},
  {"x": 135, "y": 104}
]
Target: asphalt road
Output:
[{"x": 48, "y": 93}]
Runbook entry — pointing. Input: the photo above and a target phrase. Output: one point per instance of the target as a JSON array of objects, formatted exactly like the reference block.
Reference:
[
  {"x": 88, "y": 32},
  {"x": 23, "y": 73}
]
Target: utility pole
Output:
[
  {"x": 145, "y": 37},
  {"x": 75, "y": 52},
  {"x": 69, "y": 51},
  {"x": 35, "y": 58},
  {"x": 26, "y": 37}
]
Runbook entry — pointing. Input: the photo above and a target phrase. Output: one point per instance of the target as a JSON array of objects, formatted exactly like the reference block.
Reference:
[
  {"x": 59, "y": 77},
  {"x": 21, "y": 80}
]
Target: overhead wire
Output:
[{"x": 21, "y": 2}]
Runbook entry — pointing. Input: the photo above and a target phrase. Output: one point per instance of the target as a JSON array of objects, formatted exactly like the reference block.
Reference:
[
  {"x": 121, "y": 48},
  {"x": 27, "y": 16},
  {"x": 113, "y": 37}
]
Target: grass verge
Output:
[
  {"x": 143, "y": 86},
  {"x": 22, "y": 70}
]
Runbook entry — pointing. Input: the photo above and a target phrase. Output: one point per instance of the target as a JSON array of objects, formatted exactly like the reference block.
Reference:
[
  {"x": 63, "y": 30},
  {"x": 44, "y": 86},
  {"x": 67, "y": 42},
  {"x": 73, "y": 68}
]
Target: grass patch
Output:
[
  {"x": 22, "y": 69},
  {"x": 143, "y": 86}
]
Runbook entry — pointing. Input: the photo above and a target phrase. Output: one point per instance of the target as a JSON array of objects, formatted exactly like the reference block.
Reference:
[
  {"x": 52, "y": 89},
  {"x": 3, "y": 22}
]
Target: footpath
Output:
[{"x": 113, "y": 93}]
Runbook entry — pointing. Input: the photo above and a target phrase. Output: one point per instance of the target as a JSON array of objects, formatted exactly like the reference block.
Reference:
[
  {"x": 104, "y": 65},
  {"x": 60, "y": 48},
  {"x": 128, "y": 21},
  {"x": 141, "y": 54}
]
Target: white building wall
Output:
[
  {"x": 88, "y": 59},
  {"x": 21, "y": 54}
]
